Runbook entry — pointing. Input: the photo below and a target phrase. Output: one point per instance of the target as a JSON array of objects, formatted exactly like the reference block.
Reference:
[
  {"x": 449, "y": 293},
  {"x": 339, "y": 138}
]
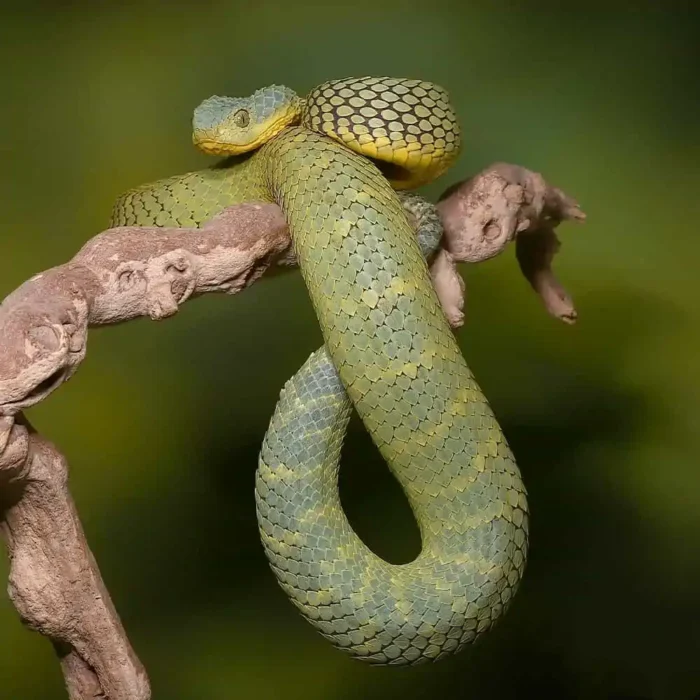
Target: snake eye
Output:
[{"x": 241, "y": 118}]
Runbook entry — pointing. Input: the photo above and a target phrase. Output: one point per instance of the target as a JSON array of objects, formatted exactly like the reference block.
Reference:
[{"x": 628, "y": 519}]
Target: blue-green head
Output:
[{"x": 233, "y": 125}]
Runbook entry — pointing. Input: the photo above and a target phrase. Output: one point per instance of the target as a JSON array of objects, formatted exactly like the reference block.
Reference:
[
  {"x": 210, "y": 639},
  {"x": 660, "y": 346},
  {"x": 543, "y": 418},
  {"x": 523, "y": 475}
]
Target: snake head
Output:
[{"x": 234, "y": 125}]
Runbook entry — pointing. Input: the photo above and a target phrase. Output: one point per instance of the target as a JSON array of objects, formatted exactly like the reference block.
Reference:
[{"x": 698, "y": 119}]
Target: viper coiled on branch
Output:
[{"x": 332, "y": 161}]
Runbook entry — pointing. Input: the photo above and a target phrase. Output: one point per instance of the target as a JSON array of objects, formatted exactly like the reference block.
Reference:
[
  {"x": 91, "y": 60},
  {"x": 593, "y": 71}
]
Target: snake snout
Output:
[{"x": 209, "y": 122}]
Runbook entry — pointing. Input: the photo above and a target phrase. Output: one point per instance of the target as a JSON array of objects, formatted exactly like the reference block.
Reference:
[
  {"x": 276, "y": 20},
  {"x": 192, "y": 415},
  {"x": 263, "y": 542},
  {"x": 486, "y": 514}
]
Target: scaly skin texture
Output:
[
  {"x": 408, "y": 125},
  {"x": 399, "y": 365},
  {"x": 193, "y": 198},
  {"x": 404, "y": 373}
]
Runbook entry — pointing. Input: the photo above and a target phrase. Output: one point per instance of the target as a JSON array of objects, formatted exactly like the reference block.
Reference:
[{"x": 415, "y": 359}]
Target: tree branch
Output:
[{"x": 54, "y": 581}]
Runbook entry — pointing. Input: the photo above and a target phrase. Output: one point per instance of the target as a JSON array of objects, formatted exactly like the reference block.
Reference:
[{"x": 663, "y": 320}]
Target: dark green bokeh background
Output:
[{"x": 163, "y": 423}]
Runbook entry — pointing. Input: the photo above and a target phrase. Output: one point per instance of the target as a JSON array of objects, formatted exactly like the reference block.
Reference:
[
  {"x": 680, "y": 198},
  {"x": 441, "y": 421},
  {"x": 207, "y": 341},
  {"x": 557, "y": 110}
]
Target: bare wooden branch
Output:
[
  {"x": 119, "y": 275},
  {"x": 54, "y": 581},
  {"x": 506, "y": 203},
  {"x": 124, "y": 273}
]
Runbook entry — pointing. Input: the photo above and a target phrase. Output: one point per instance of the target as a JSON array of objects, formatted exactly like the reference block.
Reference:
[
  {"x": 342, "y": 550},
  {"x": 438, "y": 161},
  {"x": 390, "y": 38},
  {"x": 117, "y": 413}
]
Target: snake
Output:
[{"x": 336, "y": 162}]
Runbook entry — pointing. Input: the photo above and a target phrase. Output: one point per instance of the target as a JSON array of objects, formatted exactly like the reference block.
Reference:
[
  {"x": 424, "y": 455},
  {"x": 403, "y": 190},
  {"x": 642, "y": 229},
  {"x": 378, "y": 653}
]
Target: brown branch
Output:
[
  {"x": 54, "y": 581},
  {"x": 506, "y": 203},
  {"x": 120, "y": 274},
  {"x": 124, "y": 273}
]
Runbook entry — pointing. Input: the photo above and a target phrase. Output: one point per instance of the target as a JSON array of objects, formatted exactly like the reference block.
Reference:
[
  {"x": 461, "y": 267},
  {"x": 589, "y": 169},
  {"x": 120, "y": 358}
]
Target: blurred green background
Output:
[{"x": 163, "y": 423}]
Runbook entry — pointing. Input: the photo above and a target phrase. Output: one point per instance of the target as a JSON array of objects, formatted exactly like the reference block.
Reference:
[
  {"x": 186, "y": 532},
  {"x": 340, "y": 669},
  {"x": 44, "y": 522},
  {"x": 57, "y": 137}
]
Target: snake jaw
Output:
[
  {"x": 216, "y": 147},
  {"x": 224, "y": 141}
]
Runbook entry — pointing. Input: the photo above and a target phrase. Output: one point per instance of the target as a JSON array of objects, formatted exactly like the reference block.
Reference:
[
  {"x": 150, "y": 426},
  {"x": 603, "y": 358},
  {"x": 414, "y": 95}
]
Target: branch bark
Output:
[
  {"x": 124, "y": 273},
  {"x": 54, "y": 581}
]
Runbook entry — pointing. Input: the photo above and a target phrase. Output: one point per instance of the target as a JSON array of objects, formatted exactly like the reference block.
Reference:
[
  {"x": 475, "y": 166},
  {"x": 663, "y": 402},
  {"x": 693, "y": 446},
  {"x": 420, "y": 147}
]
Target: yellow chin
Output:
[
  {"x": 219, "y": 148},
  {"x": 208, "y": 143}
]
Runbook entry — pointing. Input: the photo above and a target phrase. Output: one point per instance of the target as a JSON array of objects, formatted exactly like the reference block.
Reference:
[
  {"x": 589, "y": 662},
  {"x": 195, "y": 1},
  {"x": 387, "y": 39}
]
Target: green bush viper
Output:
[{"x": 332, "y": 161}]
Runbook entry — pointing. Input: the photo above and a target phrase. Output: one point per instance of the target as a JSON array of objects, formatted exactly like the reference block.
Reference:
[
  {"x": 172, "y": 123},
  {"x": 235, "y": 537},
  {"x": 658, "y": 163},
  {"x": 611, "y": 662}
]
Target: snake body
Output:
[{"x": 388, "y": 351}]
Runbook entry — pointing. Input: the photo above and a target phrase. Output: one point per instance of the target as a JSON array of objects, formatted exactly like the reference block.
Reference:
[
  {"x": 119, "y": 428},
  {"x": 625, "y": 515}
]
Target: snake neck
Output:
[{"x": 407, "y": 127}]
